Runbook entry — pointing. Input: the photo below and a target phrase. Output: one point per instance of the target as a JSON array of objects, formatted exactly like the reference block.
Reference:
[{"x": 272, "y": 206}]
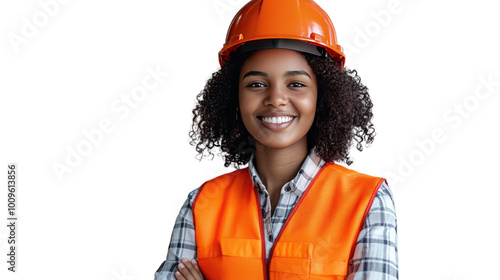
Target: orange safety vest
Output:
[{"x": 316, "y": 242}]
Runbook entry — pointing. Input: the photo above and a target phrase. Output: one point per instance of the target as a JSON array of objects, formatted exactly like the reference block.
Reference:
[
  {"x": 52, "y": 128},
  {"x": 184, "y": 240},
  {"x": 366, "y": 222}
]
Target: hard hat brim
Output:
[{"x": 281, "y": 44}]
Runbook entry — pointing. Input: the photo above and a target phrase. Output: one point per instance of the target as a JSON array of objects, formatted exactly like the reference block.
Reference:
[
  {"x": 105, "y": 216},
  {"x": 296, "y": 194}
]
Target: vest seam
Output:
[
  {"x": 367, "y": 209},
  {"x": 195, "y": 200},
  {"x": 262, "y": 237},
  {"x": 311, "y": 184},
  {"x": 194, "y": 216}
]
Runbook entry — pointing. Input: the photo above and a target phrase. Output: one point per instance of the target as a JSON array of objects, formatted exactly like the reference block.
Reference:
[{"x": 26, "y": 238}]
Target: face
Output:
[{"x": 277, "y": 98}]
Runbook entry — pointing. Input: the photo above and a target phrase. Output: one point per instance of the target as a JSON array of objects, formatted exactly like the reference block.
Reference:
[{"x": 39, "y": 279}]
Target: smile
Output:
[
  {"x": 277, "y": 124},
  {"x": 276, "y": 120}
]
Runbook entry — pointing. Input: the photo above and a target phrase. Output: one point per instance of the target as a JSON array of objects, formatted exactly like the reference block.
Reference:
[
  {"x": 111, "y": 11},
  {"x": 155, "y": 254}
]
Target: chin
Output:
[{"x": 281, "y": 143}]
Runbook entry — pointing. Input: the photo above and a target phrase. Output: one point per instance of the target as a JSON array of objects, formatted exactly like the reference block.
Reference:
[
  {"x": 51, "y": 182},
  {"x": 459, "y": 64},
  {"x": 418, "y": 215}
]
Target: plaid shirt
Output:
[{"x": 375, "y": 255}]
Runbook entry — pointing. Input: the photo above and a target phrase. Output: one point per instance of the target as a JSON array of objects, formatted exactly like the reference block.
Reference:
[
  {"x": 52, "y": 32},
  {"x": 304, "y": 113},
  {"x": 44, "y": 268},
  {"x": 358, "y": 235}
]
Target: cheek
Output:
[
  {"x": 307, "y": 106},
  {"x": 247, "y": 103}
]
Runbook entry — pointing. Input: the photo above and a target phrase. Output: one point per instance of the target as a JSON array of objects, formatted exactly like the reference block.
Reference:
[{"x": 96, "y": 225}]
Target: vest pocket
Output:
[
  {"x": 232, "y": 258},
  {"x": 298, "y": 261},
  {"x": 291, "y": 258},
  {"x": 233, "y": 247}
]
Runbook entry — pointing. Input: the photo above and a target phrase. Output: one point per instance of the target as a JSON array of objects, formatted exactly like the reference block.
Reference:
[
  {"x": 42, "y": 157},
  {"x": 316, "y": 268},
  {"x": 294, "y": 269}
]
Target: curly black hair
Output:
[{"x": 344, "y": 113}]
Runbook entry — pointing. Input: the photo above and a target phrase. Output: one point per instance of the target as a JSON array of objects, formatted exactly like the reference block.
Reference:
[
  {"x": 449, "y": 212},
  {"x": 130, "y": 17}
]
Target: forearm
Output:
[{"x": 182, "y": 242}]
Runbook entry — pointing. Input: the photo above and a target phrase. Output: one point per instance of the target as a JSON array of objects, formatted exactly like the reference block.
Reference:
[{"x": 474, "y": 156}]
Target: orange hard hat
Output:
[{"x": 282, "y": 24}]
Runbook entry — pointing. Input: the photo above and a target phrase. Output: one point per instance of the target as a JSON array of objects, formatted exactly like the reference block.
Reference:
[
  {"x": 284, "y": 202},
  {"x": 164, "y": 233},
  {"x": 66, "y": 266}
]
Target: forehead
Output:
[{"x": 276, "y": 60}]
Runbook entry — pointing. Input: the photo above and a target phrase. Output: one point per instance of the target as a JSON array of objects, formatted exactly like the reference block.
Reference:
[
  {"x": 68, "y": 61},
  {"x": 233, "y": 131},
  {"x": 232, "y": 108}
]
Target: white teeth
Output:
[{"x": 278, "y": 120}]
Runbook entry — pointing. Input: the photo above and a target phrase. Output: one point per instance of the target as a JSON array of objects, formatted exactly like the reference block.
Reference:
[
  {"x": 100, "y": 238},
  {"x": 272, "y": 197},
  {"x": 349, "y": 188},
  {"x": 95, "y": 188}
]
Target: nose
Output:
[{"x": 276, "y": 97}]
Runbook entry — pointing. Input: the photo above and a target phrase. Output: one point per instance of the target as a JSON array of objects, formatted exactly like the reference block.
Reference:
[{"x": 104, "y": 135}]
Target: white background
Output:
[{"x": 111, "y": 214}]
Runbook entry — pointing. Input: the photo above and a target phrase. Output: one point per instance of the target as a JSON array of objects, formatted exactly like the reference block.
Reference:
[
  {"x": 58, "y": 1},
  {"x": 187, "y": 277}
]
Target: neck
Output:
[{"x": 277, "y": 166}]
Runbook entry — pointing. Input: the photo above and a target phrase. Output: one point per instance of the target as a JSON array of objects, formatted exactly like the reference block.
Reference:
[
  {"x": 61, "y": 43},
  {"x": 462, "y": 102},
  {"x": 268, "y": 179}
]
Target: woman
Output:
[{"x": 283, "y": 104}]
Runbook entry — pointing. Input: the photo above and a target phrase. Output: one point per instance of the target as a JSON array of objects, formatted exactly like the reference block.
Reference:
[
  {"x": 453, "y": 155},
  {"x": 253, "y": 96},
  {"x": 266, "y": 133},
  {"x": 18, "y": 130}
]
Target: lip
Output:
[{"x": 275, "y": 127}]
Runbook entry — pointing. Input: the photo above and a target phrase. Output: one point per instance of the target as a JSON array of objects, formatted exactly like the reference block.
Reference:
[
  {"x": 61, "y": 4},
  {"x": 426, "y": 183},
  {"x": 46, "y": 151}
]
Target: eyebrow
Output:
[
  {"x": 254, "y": 73},
  {"x": 287, "y": 74},
  {"x": 295, "y": 73}
]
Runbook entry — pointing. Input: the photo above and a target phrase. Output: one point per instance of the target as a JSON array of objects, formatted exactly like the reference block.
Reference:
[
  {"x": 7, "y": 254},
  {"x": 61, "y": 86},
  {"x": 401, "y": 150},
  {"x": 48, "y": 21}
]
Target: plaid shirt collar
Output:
[{"x": 310, "y": 167}]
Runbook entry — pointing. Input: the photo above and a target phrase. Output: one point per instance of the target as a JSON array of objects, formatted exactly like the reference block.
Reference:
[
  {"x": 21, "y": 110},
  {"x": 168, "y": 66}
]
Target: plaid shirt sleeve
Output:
[
  {"x": 376, "y": 252},
  {"x": 182, "y": 242}
]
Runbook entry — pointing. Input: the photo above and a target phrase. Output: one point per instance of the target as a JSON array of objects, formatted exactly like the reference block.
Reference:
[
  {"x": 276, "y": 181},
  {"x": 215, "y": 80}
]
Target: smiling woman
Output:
[{"x": 287, "y": 107}]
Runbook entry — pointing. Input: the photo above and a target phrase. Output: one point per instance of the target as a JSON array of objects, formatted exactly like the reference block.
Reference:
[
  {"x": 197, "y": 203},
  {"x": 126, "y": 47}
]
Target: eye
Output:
[
  {"x": 255, "y": 85},
  {"x": 297, "y": 84}
]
